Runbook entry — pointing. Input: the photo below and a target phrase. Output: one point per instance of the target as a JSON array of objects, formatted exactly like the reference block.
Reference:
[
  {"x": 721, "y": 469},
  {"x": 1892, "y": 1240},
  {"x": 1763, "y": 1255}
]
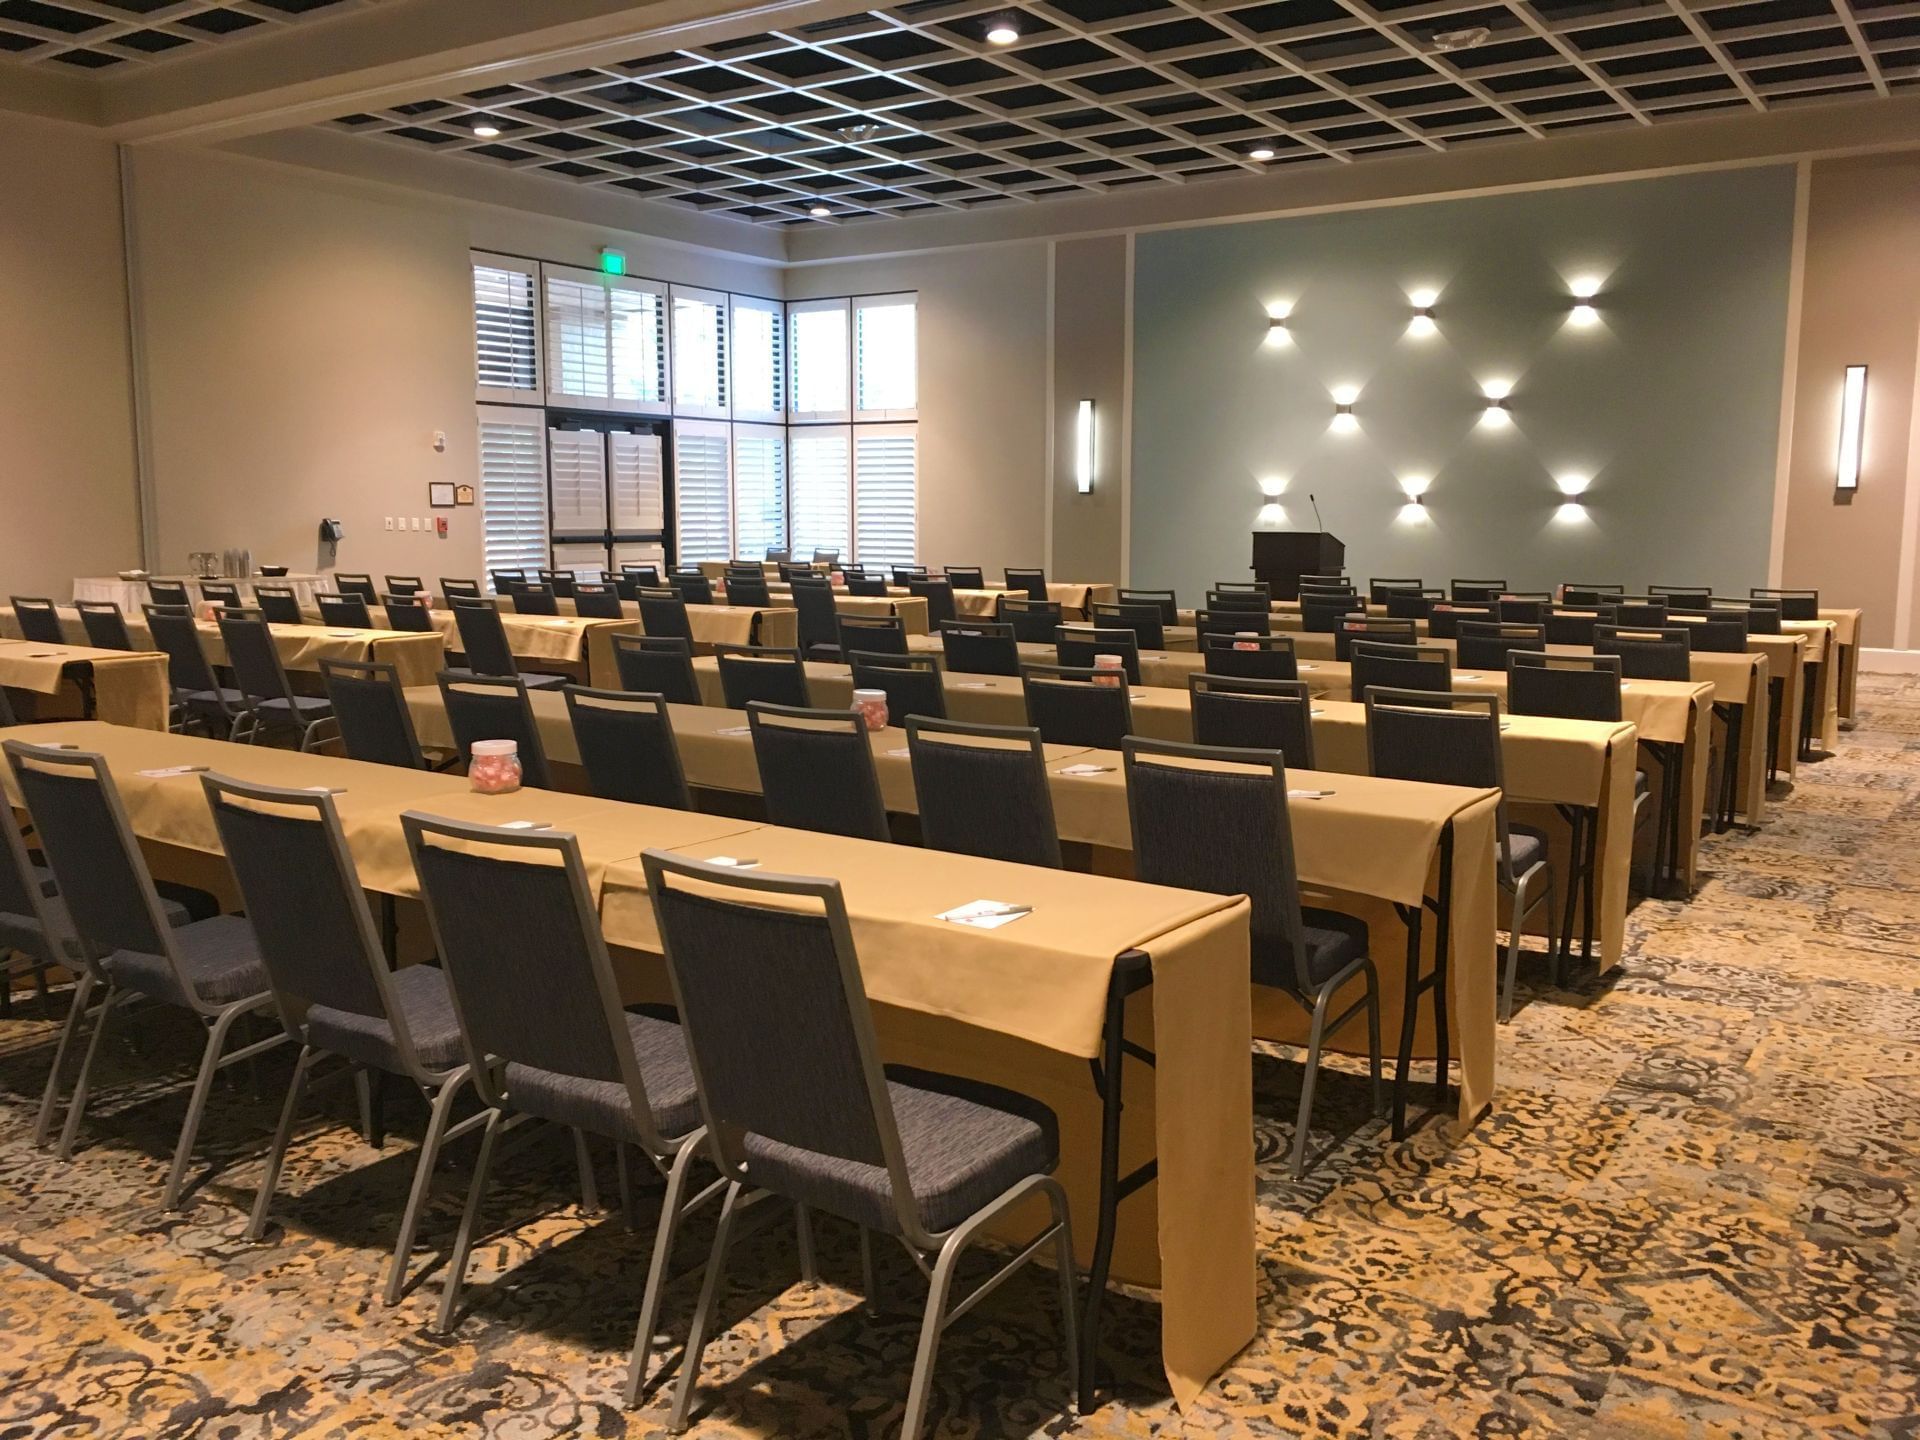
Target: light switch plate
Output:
[{"x": 389, "y": 522}]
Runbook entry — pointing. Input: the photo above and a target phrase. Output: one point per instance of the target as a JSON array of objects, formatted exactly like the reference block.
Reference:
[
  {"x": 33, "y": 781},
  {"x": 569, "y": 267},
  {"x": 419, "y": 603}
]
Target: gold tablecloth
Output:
[
  {"x": 1075, "y": 599},
  {"x": 418, "y": 656},
  {"x": 1167, "y": 668},
  {"x": 129, "y": 687},
  {"x": 1846, "y": 638}
]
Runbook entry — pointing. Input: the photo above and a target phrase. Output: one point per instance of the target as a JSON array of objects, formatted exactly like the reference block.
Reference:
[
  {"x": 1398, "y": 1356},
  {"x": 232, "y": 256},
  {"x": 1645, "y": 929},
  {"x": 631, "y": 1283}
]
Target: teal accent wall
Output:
[{"x": 1669, "y": 402}]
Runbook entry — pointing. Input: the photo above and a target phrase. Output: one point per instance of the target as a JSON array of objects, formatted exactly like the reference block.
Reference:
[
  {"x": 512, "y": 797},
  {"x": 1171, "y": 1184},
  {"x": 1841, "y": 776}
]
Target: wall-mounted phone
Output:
[{"x": 332, "y": 532}]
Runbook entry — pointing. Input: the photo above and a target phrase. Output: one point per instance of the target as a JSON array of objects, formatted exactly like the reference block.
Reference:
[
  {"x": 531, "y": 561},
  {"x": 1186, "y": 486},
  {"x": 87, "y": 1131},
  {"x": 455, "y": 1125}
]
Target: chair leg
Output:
[
  {"x": 870, "y": 1289},
  {"x": 463, "y": 1242},
  {"x": 589, "y": 1190},
  {"x": 1069, "y": 1297},
  {"x": 703, "y": 1312},
  {"x": 931, "y": 1324},
  {"x": 1302, "y": 1121},
  {"x": 1373, "y": 1040},
  {"x": 197, "y": 1105},
  {"x": 803, "y": 1224},
  {"x": 1512, "y": 967},
  {"x": 422, "y": 1184},
  {"x": 277, "y": 1153},
  {"x": 84, "y": 1080},
  {"x": 658, "y": 1265},
  {"x": 50, "y": 1097},
  {"x": 624, "y": 1179}
]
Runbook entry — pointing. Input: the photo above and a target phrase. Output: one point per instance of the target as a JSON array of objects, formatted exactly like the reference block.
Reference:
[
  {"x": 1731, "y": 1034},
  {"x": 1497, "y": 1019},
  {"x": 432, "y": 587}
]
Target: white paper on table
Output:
[
  {"x": 733, "y": 862},
  {"x": 1308, "y": 794},
  {"x": 735, "y": 730},
  {"x": 166, "y": 772},
  {"x": 985, "y": 914},
  {"x": 1084, "y": 770}
]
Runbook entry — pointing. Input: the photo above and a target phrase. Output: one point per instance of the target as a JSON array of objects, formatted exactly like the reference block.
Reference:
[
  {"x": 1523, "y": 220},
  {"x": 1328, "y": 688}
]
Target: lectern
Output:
[{"x": 1281, "y": 557}]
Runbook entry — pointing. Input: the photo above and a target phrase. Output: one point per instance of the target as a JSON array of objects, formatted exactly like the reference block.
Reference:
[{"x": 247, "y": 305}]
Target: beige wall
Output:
[
  {"x": 67, "y": 494},
  {"x": 305, "y": 336},
  {"x": 983, "y": 389},
  {"x": 1860, "y": 304},
  {"x": 1090, "y": 362}
]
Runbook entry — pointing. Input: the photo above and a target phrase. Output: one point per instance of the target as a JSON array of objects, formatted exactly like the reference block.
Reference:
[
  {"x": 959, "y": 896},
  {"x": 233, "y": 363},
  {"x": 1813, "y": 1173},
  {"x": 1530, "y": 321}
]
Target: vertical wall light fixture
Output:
[
  {"x": 1083, "y": 449},
  {"x": 1278, "y": 312},
  {"x": 1343, "y": 417},
  {"x": 1853, "y": 426},
  {"x": 1422, "y": 324},
  {"x": 1496, "y": 415},
  {"x": 1583, "y": 314}
]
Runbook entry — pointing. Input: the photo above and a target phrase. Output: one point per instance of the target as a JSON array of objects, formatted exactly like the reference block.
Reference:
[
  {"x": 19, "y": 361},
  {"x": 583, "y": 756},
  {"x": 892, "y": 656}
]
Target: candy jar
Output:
[
  {"x": 494, "y": 768},
  {"x": 1246, "y": 639},
  {"x": 1111, "y": 668},
  {"x": 872, "y": 705}
]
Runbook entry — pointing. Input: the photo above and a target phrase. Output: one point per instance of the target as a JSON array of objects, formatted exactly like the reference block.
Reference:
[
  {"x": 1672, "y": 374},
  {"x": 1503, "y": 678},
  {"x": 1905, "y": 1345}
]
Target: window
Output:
[
  {"x": 817, "y": 359},
  {"x": 759, "y": 490},
  {"x": 885, "y": 470},
  {"x": 820, "y": 494},
  {"x": 884, "y": 359},
  {"x": 505, "y": 330},
  {"x": 699, "y": 353},
  {"x": 702, "y": 491},
  {"x": 606, "y": 341},
  {"x": 639, "y": 485},
  {"x": 758, "y": 375},
  {"x": 513, "y": 488},
  {"x": 577, "y": 471}
]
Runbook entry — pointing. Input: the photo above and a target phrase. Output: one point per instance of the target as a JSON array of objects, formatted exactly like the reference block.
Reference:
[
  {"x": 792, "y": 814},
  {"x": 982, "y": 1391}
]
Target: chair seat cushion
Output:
[
  {"x": 223, "y": 698},
  {"x": 1526, "y": 848},
  {"x": 307, "y": 707},
  {"x": 23, "y": 932},
  {"x": 601, "y": 1106},
  {"x": 539, "y": 680},
  {"x": 220, "y": 956},
  {"x": 965, "y": 1142},
  {"x": 1333, "y": 941},
  {"x": 425, "y": 1003}
]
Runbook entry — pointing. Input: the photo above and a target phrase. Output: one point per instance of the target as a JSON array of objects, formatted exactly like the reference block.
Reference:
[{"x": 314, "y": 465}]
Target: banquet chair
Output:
[
  {"x": 1413, "y": 604},
  {"x": 1077, "y": 645},
  {"x": 1326, "y": 583},
  {"x": 1383, "y": 632},
  {"x": 1145, "y": 621},
  {"x": 1249, "y": 657},
  {"x": 1455, "y": 740},
  {"x": 35, "y": 933},
  {"x": 1443, "y": 621},
  {"x": 1523, "y": 609},
  {"x": 1325, "y": 614},
  {"x": 1483, "y": 645},
  {"x": 505, "y": 582},
  {"x": 816, "y": 770},
  {"x": 269, "y": 700},
  {"x": 778, "y": 556},
  {"x": 344, "y": 612},
  {"x": 357, "y": 585},
  {"x": 484, "y": 648},
  {"x": 405, "y": 584},
  {"x": 106, "y": 627},
  {"x": 1681, "y": 592},
  {"x": 657, "y": 665},
  {"x": 135, "y": 946},
  {"x": 1216, "y": 820},
  {"x": 220, "y": 592},
  {"x": 911, "y": 683},
  {"x": 278, "y": 604},
  {"x": 1571, "y": 624},
  {"x": 769, "y": 989},
  {"x": 452, "y": 589},
  {"x": 550, "y": 1042},
  {"x": 1034, "y": 622},
  {"x": 1224, "y": 598},
  {"x": 1426, "y": 668},
  {"x": 39, "y": 620},
  {"x": 1166, "y": 601},
  {"x": 559, "y": 582},
  {"x": 647, "y": 575},
  {"x": 982, "y": 790},
  {"x": 979, "y": 647},
  {"x": 534, "y": 600},
  {"x": 1647, "y": 652},
  {"x": 828, "y": 558},
  {"x": 1379, "y": 590},
  {"x": 168, "y": 592},
  {"x": 875, "y": 634},
  {"x": 1589, "y": 594},
  {"x": 337, "y": 997},
  {"x": 1231, "y": 622},
  {"x": 1243, "y": 587},
  {"x": 597, "y": 602},
  {"x": 966, "y": 577},
  {"x": 1070, "y": 705},
  {"x": 494, "y": 707},
  {"x": 691, "y": 584},
  {"x": 1639, "y": 613},
  {"x": 819, "y": 616},
  {"x": 792, "y": 570},
  {"x": 370, "y": 710},
  {"x": 405, "y": 612},
  {"x": 1477, "y": 592},
  {"x": 1240, "y": 714},
  {"x": 872, "y": 587},
  {"x": 1794, "y": 604},
  {"x": 195, "y": 693},
  {"x": 1763, "y": 616},
  {"x": 906, "y": 574},
  {"x": 1032, "y": 582},
  {"x": 749, "y": 590},
  {"x": 938, "y": 593},
  {"x": 663, "y": 614},
  {"x": 761, "y": 672},
  {"x": 627, "y": 747},
  {"x": 1718, "y": 636}
]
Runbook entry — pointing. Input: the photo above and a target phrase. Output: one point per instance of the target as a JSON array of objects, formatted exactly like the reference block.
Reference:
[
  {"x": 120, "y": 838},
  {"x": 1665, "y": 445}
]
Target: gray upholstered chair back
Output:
[
  {"x": 495, "y": 707},
  {"x": 982, "y": 790},
  {"x": 1572, "y": 624},
  {"x": 967, "y": 577},
  {"x": 1647, "y": 652},
  {"x": 560, "y": 582},
  {"x": 1794, "y": 604},
  {"x": 168, "y": 592},
  {"x": 1399, "y": 667},
  {"x": 347, "y": 612},
  {"x": 1076, "y": 645},
  {"x": 1034, "y": 622},
  {"x": 26, "y": 919},
  {"x": 1231, "y": 621},
  {"x": 106, "y": 627},
  {"x": 483, "y": 637},
  {"x": 221, "y": 592},
  {"x": 819, "y": 620},
  {"x": 872, "y": 634},
  {"x": 1233, "y": 713},
  {"x": 691, "y": 584},
  {"x": 1483, "y": 644},
  {"x": 404, "y": 612},
  {"x": 665, "y": 616},
  {"x": 534, "y": 600},
  {"x": 1682, "y": 592},
  {"x": 1325, "y": 614},
  {"x": 1638, "y": 613},
  {"x": 39, "y": 620},
  {"x": 254, "y": 659},
  {"x": 1146, "y": 621},
  {"x": 657, "y": 665},
  {"x": 756, "y": 672},
  {"x": 1451, "y": 740},
  {"x": 912, "y": 683},
  {"x": 1412, "y": 604},
  {"x": 1071, "y": 705},
  {"x": 1032, "y": 582},
  {"x": 626, "y": 745},
  {"x": 278, "y": 604},
  {"x": 1359, "y": 627},
  {"x": 370, "y": 707},
  {"x": 1251, "y": 657},
  {"x": 1475, "y": 592},
  {"x": 1572, "y": 687},
  {"x": 1719, "y": 636},
  {"x": 816, "y": 770},
  {"x": 405, "y": 584},
  {"x": 1165, "y": 601},
  {"x": 1220, "y": 599},
  {"x": 178, "y": 636},
  {"x": 361, "y": 586},
  {"x": 749, "y": 590},
  {"x": 979, "y": 647},
  {"x": 1378, "y": 589},
  {"x": 451, "y": 587},
  {"x": 938, "y": 593}
]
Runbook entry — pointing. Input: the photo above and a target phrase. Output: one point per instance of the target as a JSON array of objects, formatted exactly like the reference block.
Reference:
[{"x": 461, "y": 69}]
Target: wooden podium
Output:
[{"x": 1281, "y": 557}]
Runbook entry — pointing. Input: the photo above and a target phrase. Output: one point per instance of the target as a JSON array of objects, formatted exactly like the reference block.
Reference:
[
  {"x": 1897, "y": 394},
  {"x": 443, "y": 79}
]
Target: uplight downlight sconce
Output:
[
  {"x": 1414, "y": 487},
  {"x": 1496, "y": 416},
  {"x": 1344, "y": 420},
  {"x": 1278, "y": 335},
  {"x": 1583, "y": 315},
  {"x": 1422, "y": 324},
  {"x": 1853, "y": 428},
  {"x": 1083, "y": 448}
]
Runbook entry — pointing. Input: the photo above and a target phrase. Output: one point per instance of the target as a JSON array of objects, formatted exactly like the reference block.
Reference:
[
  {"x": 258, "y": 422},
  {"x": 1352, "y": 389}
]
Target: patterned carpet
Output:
[{"x": 1692, "y": 1213}]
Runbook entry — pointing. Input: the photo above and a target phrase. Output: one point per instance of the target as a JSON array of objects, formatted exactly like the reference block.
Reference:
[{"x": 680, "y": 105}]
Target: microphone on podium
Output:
[{"x": 1318, "y": 522}]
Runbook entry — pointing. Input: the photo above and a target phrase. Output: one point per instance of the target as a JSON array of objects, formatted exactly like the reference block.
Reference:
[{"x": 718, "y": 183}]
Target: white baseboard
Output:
[{"x": 1890, "y": 662}]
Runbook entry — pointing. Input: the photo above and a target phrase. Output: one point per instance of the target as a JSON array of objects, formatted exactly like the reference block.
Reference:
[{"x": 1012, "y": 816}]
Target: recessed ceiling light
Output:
[
  {"x": 1470, "y": 38},
  {"x": 1260, "y": 152},
  {"x": 1002, "y": 33},
  {"x": 819, "y": 212},
  {"x": 859, "y": 133},
  {"x": 486, "y": 130}
]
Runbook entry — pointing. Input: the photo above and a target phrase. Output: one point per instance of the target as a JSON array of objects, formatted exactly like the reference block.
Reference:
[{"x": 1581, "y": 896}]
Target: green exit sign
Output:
[{"x": 613, "y": 262}]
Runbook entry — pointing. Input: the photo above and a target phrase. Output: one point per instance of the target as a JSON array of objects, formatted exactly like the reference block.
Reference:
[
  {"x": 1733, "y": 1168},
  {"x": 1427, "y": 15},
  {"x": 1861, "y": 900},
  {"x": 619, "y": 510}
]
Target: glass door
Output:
[{"x": 607, "y": 492}]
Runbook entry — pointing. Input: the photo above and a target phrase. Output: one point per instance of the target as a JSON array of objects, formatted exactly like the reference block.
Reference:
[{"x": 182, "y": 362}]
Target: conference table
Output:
[
  {"x": 584, "y": 646},
  {"x": 1099, "y": 964},
  {"x": 130, "y": 595},
  {"x": 1076, "y": 599},
  {"x": 774, "y": 625},
  {"x": 119, "y": 686}
]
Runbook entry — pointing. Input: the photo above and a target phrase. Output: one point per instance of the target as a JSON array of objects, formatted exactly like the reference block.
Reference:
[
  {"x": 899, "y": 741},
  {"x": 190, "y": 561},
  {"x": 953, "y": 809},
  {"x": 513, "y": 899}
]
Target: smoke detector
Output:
[
  {"x": 859, "y": 133},
  {"x": 1471, "y": 38}
]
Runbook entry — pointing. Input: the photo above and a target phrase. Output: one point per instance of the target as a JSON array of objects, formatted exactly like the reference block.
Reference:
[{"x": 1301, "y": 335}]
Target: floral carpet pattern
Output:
[{"x": 1693, "y": 1212}]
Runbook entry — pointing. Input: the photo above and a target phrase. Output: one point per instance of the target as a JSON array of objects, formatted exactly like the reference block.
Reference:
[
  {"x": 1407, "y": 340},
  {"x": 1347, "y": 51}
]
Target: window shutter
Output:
[
  {"x": 639, "y": 484},
  {"x": 699, "y": 353},
  {"x": 606, "y": 341},
  {"x": 577, "y": 465},
  {"x": 817, "y": 359},
  {"x": 884, "y": 358},
  {"x": 513, "y": 488},
  {"x": 759, "y": 382},
  {"x": 702, "y": 494},
  {"x": 820, "y": 477},
  {"x": 885, "y": 475},
  {"x": 759, "y": 489},
  {"x": 505, "y": 330}
]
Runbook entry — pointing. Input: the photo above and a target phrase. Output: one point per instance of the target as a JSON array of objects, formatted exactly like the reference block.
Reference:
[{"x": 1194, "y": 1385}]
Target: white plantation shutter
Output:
[
  {"x": 885, "y": 475},
  {"x": 606, "y": 341},
  {"x": 759, "y": 489},
  {"x": 817, "y": 359},
  {"x": 639, "y": 483},
  {"x": 820, "y": 489},
  {"x": 885, "y": 358},
  {"x": 506, "y": 329},
  {"x": 702, "y": 492},
  {"x": 699, "y": 352},
  {"x": 759, "y": 387},
  {"x": 577, "y": 465},
  {"x": 513, "y": 488}
]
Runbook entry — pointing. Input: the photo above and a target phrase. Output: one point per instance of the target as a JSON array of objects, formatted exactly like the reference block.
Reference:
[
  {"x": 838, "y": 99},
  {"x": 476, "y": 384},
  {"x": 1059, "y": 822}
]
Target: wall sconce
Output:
[
  {"x": 1853, "y": 425},
  {"x": 1344, "y": 419},
  {"x": 1278, "y": 334},
  {"x": 1415, "y": 486},
  {"x": 1083, "y": 449},
  {"x": 1496, "y": 415},
  {"x": 1273, "y": 486},
  {"x": 1570, "y": 512},
  {"x": 1422, "y": 323},
  {"x": 1583, "y": 314},
  {"x": 1572, "y": 484}
]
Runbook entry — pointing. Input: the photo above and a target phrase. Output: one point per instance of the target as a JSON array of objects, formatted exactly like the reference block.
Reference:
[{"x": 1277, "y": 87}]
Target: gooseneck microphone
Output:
[{"x": 1319, "y": 524}]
